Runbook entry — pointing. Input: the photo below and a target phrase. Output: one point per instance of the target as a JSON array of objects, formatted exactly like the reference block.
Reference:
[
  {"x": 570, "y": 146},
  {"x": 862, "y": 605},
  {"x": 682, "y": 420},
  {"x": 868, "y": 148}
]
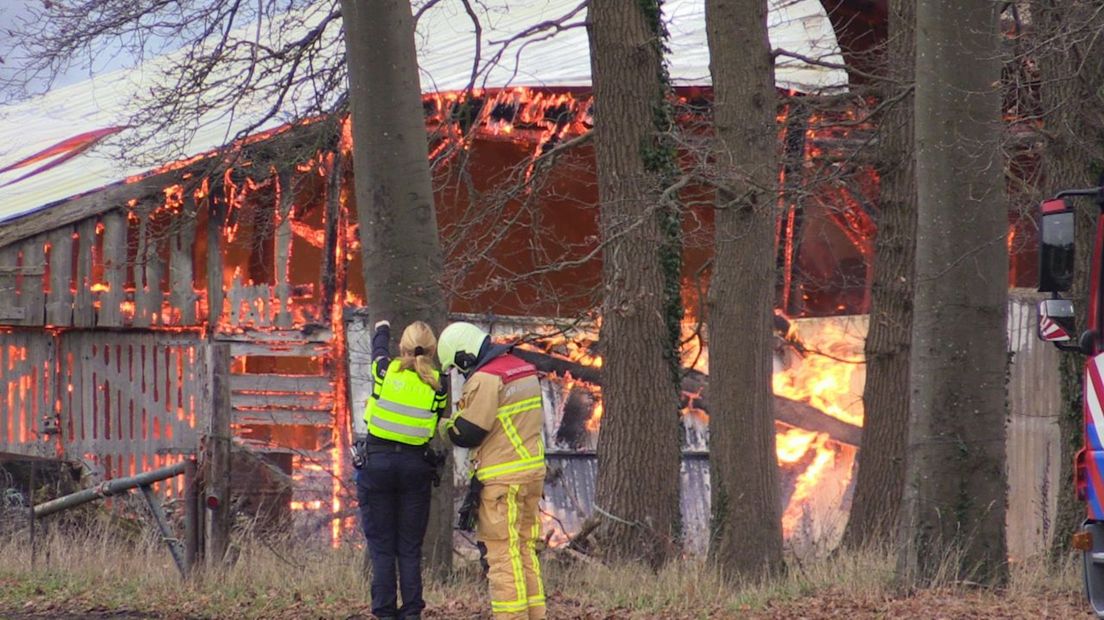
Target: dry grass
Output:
[{"x": 101, "y": 570}]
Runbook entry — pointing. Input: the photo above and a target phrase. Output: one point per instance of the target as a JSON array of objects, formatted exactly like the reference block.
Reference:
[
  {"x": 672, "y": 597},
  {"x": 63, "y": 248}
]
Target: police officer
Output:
[
  {"x": 396, "y": 468},
  {"x": 500, "y": 418}
]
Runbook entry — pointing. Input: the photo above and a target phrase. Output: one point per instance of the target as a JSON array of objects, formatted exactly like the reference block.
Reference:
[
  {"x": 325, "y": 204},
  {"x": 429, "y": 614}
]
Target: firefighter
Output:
[
  {"x": 396, "y": 467},
  {"x": 500, "y": 417}
]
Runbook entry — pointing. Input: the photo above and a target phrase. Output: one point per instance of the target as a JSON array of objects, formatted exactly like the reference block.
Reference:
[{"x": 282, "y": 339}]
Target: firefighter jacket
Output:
[
  {"x": 402, "y": 407},
  {"x": 503, "y": 398}
]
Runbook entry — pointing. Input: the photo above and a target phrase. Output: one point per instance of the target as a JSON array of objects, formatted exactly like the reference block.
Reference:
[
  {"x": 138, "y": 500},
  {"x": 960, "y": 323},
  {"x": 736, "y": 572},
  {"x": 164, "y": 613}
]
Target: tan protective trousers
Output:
[{"x": 509, "y": 526}]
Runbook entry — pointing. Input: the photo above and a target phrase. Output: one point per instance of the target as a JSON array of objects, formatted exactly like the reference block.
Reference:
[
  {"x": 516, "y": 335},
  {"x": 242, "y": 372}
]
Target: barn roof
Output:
[{"x": 49, "y": 145}]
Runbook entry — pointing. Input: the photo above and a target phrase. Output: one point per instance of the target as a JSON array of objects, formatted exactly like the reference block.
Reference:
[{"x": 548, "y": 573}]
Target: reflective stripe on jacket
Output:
[{"x": 402, "y": 408}]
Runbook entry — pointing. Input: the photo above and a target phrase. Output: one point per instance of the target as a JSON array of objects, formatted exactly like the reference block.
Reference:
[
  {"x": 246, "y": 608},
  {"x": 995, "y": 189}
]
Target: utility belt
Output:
[
  {"x": 437, "y": 460},
  {"x": 375, "y": 448}
]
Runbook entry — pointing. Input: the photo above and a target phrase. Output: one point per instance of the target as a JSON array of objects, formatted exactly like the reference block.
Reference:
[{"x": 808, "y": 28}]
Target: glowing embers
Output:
[{"x": 543, "y": 118}]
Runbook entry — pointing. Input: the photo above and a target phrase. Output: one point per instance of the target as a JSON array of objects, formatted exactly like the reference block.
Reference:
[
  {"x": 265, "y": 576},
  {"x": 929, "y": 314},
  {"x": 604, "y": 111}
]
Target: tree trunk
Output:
[
  {"x": 881, "y": 462},
  {"x": 638, "y": 447},
  {"x": 953, "y": 513},
  {"x": 1070, "y": 68},
  {"x": 394, "y": 193},
  {"x": 746, "y": 530}
]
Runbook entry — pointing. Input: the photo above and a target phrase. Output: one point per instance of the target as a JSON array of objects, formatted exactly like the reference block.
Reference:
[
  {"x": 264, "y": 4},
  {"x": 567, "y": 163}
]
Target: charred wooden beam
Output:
[
  {"x": 551, "y": 363},
  {"x": 788, "y": 412}
]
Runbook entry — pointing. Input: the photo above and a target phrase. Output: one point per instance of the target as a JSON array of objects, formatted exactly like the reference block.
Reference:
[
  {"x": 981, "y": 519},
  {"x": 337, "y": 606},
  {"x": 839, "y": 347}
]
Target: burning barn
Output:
[{"x": 118, "y": 279}]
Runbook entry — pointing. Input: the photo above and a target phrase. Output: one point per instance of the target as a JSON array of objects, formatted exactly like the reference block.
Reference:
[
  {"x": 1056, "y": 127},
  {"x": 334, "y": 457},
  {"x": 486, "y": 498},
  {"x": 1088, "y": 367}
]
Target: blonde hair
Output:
[{"x": 419, "y": 335}]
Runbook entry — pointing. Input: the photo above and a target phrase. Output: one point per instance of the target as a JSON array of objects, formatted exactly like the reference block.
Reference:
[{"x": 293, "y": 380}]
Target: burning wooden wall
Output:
[{"x": 110, "y": 314}]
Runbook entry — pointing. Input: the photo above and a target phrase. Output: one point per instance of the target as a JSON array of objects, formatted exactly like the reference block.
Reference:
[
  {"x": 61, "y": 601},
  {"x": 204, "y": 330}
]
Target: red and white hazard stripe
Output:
[
  {"x": 1051, "y": 330},
  {"x": 1094, "y": 395}
]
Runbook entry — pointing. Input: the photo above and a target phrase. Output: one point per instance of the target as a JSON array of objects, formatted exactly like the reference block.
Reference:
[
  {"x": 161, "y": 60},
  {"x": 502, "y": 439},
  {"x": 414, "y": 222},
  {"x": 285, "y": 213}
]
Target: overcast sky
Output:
[{"x": 10, "y": 13}]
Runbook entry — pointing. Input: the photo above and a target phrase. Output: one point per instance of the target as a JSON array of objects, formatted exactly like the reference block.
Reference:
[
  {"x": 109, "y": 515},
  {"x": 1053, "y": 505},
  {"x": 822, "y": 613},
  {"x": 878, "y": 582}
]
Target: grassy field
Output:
[{"x": 118, "y": 573}]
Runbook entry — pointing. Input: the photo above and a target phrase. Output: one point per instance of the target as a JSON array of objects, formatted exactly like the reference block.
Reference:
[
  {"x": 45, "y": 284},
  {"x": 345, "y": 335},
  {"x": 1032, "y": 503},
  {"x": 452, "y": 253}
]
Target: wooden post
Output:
[
  {"x": 59, "y": 301},
  {"x": 191, "y": 517},
  {"x": 84, "y": 314},
  {"x": 9, "y": 272},
  {"x": 283, "y": 249},
  {"x": 182, "y": 249},
  {"x": 115, "y": 265},
  {"x": 147, "y": 293},
  {"x": 33, "y": 269},
  {"x": 331, "y": 218},
  {"x": 217, "y": 459},
  {"x": 216, "y": 213}
]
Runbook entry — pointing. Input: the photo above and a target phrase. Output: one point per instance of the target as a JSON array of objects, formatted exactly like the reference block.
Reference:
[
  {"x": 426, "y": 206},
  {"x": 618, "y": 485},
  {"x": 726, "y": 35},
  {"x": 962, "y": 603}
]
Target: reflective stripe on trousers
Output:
[{"x": 509, "y": 526}]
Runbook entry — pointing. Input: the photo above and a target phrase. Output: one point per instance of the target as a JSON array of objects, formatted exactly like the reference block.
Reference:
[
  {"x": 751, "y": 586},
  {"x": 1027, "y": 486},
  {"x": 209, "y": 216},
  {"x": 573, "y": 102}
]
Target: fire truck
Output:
[{"x": 1057, "y": 325}]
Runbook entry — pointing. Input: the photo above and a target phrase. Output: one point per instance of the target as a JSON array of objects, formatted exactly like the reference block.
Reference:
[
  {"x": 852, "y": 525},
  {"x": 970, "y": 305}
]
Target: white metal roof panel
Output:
[{"x": 446, "y": 50}]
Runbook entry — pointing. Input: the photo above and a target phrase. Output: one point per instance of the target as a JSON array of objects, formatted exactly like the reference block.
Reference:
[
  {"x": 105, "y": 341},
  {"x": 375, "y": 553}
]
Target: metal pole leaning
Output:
[
  {"x": 166, "y": 532},
  {"x": 115, "y": 486}
]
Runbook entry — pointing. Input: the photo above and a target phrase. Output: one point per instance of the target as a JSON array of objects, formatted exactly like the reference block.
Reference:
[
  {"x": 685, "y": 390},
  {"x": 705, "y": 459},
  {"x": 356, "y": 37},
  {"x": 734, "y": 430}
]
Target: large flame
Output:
[
  {"x": 825, "y": 375},
  {"x": 820, "y": 363}
]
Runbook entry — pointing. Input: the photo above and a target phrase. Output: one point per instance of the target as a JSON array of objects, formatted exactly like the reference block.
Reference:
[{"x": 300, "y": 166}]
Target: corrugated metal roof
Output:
[{"x": 48, "y": 145}]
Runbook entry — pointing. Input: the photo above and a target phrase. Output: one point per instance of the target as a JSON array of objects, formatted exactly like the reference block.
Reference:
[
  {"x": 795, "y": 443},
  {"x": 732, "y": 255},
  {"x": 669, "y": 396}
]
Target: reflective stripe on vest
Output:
[
  {"x": 401, "y": 408},
  {"x": 526, "y": 460}
]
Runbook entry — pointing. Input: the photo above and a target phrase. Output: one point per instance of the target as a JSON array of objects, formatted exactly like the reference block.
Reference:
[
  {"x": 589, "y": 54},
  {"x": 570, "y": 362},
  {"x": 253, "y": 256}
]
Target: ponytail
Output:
[
  {"x": 423, "y": 364},
  {"x": 416, "y": 351}
]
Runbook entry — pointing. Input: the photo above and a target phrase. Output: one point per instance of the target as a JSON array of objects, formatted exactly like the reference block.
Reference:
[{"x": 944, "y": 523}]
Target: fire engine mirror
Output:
[
  {"x": 1056, "y": 320},
  {"x": 1056, "y": 251}
]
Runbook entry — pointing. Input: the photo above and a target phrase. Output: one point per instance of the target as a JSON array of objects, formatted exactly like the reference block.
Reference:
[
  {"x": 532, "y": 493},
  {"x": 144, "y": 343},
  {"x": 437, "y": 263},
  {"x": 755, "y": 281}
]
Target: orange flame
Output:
[
  {"x": 822, "y": 373},
  {"x": 824, "y": 378}
]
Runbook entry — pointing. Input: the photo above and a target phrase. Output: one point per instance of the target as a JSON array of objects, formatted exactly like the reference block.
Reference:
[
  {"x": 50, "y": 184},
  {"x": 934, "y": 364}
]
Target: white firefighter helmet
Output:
[{"x": 459, "y": 346}]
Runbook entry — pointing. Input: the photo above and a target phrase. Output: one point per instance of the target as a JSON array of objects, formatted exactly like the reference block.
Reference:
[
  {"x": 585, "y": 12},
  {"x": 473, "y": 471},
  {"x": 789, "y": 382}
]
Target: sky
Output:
[{"x": 11, "y": 11}]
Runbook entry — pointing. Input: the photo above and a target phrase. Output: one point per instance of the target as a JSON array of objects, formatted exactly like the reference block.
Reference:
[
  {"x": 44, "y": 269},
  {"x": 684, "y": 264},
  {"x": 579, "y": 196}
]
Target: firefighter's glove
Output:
[
  {"x": 469, "y": 510},
  {"x": 360, "y": 453}
]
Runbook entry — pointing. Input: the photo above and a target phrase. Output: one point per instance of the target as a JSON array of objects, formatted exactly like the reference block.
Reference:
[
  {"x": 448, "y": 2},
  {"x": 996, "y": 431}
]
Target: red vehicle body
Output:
[{"x": 1057, "y": 325}]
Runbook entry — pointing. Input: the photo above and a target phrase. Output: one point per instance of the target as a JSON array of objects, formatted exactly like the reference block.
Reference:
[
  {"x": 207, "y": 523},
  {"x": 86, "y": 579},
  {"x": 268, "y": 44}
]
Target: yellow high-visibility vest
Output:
[{"x": 401, "y": 407}]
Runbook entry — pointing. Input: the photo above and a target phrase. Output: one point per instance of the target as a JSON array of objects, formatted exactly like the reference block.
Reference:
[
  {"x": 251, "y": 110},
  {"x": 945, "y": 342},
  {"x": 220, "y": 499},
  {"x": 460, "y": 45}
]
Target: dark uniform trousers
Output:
[{"x": 393, "y": 489}]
